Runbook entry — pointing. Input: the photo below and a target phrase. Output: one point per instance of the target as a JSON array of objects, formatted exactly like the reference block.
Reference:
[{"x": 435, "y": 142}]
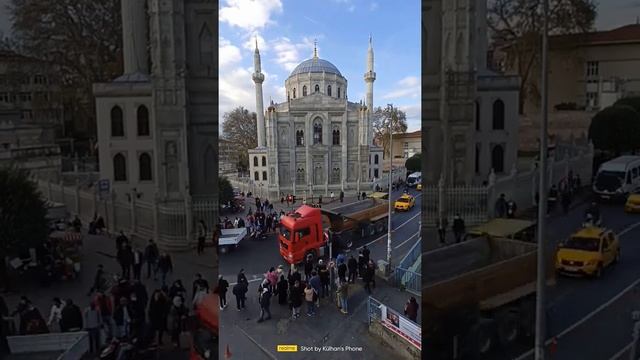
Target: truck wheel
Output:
[
  {"x": 484, "y": 337},
  {"x": 508, "y": 328},
  {"x": 372, "y": 230},
  {"x": 379, "y": 227}
]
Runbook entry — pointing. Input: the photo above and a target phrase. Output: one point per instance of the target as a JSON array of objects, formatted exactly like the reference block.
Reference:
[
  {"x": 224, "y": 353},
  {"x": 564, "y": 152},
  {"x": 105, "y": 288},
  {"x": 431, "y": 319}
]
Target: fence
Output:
[
  {"x": 408, "y": 280},
  {"x": 172, "y": 224},
  {"x": 395, "y": 322},
  {"x": 475, "y": 203},
  {"x": 74, "y": 345}
]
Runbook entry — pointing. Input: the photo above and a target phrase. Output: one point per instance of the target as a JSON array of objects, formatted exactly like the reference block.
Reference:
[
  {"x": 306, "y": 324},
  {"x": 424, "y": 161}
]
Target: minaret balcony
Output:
[
  {"x": 370, "y": 75},
  {"x": 258, "y": 77}
]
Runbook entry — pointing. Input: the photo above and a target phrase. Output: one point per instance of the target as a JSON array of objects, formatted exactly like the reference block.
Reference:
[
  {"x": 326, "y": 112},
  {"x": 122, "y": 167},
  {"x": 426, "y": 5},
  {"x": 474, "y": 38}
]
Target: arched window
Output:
[
  {"x": 376, "y": 159},
  {"x": 299, "y": 138},
  {"x": 256, "y": 176},
  {"x": 255, "y": 161},
  {"x": 294, "y": 93},
  {"x": 206, "y": 46},
  {"x": 264, "y": 176},
  {"x": 317, "y": 132},
  {"x": 329, "y": 90},
  {"x": 477, "y": 115},
  {"x": 335, "y": 175},
  {"x": 144, "y": 164},
  {"x": 300, "y": 175},
  {"x": 498, "y": 115},
  {"x": 119, "y": 168},
  {"x": 375, "y": 173},
  {"x": 143, "y": 121},
  {"x": 497, "y": 159},
  {"x": 304, "y": 90},
  {"x": 338, "y": 93},
  {"x": 317, "y": 89},
  {"x": 264, "y": 161},
  {"x": 117, "y": 122},
  {"x": 336, "y": 137}
]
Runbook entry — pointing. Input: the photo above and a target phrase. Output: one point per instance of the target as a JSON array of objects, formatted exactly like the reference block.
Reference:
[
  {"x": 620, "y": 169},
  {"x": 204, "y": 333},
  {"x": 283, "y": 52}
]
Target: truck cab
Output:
[
  {"x": 205, "y": 329},
  {"x": 302, "y": 233}
]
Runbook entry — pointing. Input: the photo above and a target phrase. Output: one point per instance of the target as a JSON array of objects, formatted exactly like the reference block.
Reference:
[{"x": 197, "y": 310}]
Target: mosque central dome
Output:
[{"x": 315, "y": 65}]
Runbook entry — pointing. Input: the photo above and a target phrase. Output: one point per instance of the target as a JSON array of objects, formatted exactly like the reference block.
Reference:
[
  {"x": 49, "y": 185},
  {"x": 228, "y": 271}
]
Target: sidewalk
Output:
[{"x": 248, "y": 339}]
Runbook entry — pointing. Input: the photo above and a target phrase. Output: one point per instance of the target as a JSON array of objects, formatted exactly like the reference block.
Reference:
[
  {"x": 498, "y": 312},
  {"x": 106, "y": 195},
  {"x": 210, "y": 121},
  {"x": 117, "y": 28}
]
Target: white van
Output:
[
  {"x": 414, "y": 179},
  {"x": 618, "y": 177}
]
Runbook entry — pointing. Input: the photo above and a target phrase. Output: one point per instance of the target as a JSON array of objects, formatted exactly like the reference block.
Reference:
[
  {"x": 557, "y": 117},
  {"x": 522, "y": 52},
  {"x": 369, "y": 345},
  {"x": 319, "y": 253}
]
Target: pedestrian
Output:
[
  {"x": 332, "y": 196},
  {"x": 359, "y": 197},
  {"x": 341, "y": 196},
  {"x": 177, "y": 289},
  {"x": 316, "y": 283},
  {"x": 366, "y": 253},
  {"x": 199, "y": 282},
  {"x": 309, "y": 296},
  {"x": 343, "y": 296},
  {"x": 165, "y": 266},
  {"x": 122, "y": 318},
  {"x": 364, "y": 195},
  {"x": 55, "y": 316},
  {"x": 272, "y": 276},
  {"x": 501, "y": 206},
  {"x": 362, "y": 264},
  {"x": 265, "y": 303},
  {"x": 125, "y": 259},
  {"x": 242, "y": 277},
  {"x": 340, "y": 258},
  {"x": 198, "y": 296},
  {"x": 158, "y": 312},
  {"x": 323, "y": 272},
  {"x": 342, "y": 272},
  {"x": 99, "y": 280},
  {"x": 201, "y": 231},
  {"x": 240, "y": 292},
  {"x": 92, "y": 324},
  {"x": 32, "y": 322},
  {"x": 137, "y": 263},
  {"x": 295, "y": 299},
  {"x": 411, "y": 309},
  {"x": 121, "y": 290},
  {"x": 223, "y": 286},
  {"x": 121, "y": 240},
  {"x": 352, "y": 265},
  {"x": 458, "y": 228},
  {"x": 442, "y": 230},
  {"x": 308, "y": 267},
  {"x": 511, "y": 209},
  {"x": 367, "y": 278},
  {"x": 281, "y": 290},
  {"x": 105, "y": 307},
  {"x": 71, "y": 317},
  {"x": 176, "y": 320},
  {"x": 151, "y": 255},
  {"x": 294, "y": 275},
  {"x": 140, "y": 291}
]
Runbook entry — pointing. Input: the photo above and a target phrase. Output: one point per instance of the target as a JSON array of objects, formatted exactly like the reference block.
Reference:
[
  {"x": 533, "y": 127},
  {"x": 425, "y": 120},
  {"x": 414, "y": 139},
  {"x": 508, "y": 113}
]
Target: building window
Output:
[
  {"x": 477, "y": 158},
  {"x": 300, "y": 175},
  {"x": 317, "y": 132},
  {"x": 376, "y": 159},
  {"x": 294, "y": 93},
  {"x": 335, "y": 175},
  {"x": 477, "y": 115},
  {"x": 317, "y": 88},
  {"x": 5, "y": 97},
  {"x": 338, "y": 93},
  {"x": 264, "y": 176},
  {"x": 336, "y": 137},
  {"x": 145, "y": 167},
  {"x": 25, "y": 96},
  {"x": 498, "y": 115},
  {"x": 206, "y": 46},
  {"x": 255, "y": 161},
  {"x": 375, "y": 173},
  {"x": 592, "y": 68},
  {"x": 25, "y": 80},
  {"x": 119, "y": 168},
  {"x": 304, "y": 90},
  {"x": 256, "y": 176},
  {"x": 264, "y": 161},
  {"x": 117, "y": 122},
  {"x": 299, "y": 138},
  {"x": 329, "y": 90},
  {"x": 497, "y": 159},
  {"x": 288, "y": 97},
  {"x": 592, "y": 99},
  {"x": 143, "y": 121},
  {"x": 40, "y": 80}
]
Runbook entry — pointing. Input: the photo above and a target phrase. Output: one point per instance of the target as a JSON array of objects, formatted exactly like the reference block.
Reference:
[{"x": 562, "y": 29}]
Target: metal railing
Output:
[
  {"x": 395, "y": 321},
  {"x": 413, "y": 254},
  {"x": 408, "y": 280}
]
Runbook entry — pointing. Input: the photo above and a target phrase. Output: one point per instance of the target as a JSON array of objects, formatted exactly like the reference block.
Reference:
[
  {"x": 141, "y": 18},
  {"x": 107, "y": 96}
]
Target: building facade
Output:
[
  {"x": 317, "y": 141},
  {"x": 406, "y": 145}
]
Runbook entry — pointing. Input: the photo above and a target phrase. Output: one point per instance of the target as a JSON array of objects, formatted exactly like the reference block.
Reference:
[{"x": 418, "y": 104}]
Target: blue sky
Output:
[{"x": 286, "y": 30}]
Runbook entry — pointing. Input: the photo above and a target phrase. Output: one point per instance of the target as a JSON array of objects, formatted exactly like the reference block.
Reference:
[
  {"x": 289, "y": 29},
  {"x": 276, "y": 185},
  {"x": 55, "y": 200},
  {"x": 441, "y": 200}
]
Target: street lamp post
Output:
[
  {"x": 542, "y": 198},
  {"x": 391, "y": 114}
]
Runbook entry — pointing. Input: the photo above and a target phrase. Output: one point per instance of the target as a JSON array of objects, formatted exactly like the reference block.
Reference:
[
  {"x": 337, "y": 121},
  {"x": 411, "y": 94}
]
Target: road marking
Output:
[
  {"x": 404, "y": 242},
  {"x": 594, "y": 312},
  {"x": 262, "y": 348},
  {"x": 383, "y": 236},
  {"x": 618, "y": 355},
  {"x": 250, "y": 281}
]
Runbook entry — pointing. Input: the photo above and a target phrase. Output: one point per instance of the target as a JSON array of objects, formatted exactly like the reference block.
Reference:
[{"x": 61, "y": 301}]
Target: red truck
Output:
[
  {"x": 308, "y": 230},
  {"x": 204, "y": 334}
]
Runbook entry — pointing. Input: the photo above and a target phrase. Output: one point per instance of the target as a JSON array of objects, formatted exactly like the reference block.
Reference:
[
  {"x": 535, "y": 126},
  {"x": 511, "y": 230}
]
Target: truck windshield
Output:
[
  {"x": 285, "y": 232},
  {"x": 609, "y": 180},
  {"x": 581, "y": 243}
]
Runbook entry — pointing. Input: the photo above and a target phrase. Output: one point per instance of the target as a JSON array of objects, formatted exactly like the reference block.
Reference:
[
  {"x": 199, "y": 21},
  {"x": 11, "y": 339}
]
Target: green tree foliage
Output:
[
  {"x": 81, "y": 39},
  {"x": 516, "y": 25},
  {"x": 225, "y": 189},
  {"x": 23, "y": 212},
  {"x": 616, "y": 129},
  {"x": 380, "y": 123},
  {"x": 414, "y": 163},
  {"x": 239, "y": 127}
]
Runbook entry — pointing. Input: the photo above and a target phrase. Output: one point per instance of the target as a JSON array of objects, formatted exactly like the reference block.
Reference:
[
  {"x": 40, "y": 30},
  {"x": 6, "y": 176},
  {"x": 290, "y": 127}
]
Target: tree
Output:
[
  {"x": 23, "y": 222},
  {"x": 414, "y": 163},
  {"x": 239, "y": 127},
  {"x": 616, "y": 129},
  {"x": 380, "y": 123},
  {"x": 225, "y": 190},
  {"x": 81, "y": 39},
  {"x": 517, "y": 25}
]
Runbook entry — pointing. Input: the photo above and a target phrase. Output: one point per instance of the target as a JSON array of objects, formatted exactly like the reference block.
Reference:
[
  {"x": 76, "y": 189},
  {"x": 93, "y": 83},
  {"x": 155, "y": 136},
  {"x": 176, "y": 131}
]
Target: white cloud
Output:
[
  {"x": 228, "y": 54},
  {"x": 414, "y": 116},
  {"x": 350, "y": 6},
  {"x": 249, "y": 14},
  {"x": 407, "y": 87},
  {"x": 236, "y": 89},
  {"x": 288, "y": 54},
  {"x": 250, "y": 42}
]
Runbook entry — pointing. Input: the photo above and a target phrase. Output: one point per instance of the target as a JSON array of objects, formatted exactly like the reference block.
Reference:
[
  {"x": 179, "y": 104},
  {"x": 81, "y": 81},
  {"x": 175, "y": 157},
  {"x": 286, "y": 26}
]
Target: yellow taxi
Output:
[
  {"x": 419, "y": 186},
  {"x": 404, "y": 203},
  {"x": 588, "y": 252},
  {"x": 633, "y": 203}
]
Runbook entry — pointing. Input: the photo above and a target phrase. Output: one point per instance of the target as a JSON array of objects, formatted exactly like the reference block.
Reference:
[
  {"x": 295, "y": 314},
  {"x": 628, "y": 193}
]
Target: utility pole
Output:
[
  {"x": 542, "y": 202},
  {"x": 391, "y": 116}
]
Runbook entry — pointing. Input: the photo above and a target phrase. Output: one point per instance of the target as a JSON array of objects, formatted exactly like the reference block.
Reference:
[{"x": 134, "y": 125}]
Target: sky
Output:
[{"x": 286, "y": 31}]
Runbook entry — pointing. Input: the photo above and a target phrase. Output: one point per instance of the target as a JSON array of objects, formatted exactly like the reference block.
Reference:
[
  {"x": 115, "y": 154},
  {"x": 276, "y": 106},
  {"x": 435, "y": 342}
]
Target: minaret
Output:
[
  {"x": 258, "y": 78},
  {"x": 134, "y": 37},
  {"x": 370, "y": 76}
]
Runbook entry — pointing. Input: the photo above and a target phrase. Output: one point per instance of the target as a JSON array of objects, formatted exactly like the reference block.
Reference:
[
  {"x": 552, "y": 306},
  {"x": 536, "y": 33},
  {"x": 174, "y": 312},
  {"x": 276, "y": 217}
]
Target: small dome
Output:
[{"x": 315, "y": 65}]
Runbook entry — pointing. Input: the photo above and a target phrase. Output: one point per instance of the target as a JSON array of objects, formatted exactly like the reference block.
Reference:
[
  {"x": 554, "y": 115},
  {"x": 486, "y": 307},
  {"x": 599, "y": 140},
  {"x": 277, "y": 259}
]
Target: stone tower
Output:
[
  {"x": 258, "y": 79},
  {"x": 369, "y": 78}
]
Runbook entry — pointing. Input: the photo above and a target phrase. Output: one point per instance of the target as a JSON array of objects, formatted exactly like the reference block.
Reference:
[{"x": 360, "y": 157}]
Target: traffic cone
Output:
[{"x": 227, "y": 353}]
